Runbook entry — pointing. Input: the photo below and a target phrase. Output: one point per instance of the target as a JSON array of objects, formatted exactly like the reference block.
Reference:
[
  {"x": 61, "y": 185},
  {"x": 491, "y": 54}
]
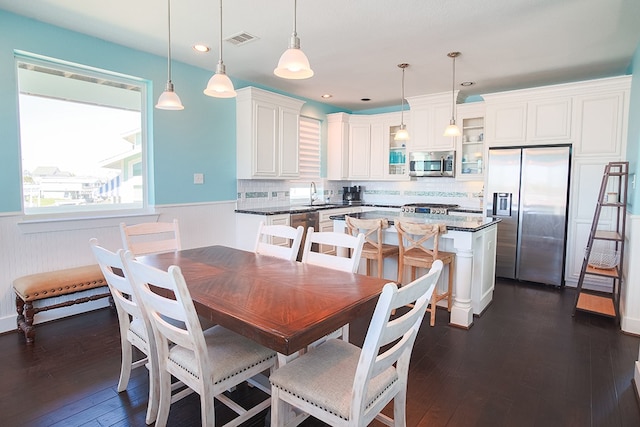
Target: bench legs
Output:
[
  {"x": 25, "y": 319},
  {"x": 26, "y": 311}
]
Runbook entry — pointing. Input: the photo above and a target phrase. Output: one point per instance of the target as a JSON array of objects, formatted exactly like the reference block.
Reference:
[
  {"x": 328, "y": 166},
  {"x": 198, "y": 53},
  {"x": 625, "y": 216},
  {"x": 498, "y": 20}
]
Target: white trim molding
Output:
[{"x": 630, "y": 296}]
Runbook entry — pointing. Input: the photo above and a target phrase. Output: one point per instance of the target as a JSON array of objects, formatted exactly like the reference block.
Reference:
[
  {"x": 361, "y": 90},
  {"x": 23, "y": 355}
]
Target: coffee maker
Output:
[{"x": 351, "y": 195}]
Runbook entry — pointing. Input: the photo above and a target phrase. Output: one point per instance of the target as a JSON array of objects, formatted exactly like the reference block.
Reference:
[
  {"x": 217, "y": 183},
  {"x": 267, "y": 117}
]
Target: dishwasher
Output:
[{"x": 306, "y": 220}]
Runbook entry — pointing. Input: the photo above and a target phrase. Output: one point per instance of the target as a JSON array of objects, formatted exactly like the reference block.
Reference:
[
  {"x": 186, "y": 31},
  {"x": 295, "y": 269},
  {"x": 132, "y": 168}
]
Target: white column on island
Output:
[{"x": 462, "y": 311}]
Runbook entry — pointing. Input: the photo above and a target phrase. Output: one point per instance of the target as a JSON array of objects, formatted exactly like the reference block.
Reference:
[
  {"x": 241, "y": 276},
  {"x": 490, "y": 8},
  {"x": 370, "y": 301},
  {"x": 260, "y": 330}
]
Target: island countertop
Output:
[{"x": 453, "y": 222}]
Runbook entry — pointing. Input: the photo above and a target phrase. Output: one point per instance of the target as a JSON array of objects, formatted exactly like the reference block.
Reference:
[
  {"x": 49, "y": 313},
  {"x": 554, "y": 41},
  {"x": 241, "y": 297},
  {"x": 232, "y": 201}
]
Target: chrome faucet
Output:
[{"x": 313, "y": 193}]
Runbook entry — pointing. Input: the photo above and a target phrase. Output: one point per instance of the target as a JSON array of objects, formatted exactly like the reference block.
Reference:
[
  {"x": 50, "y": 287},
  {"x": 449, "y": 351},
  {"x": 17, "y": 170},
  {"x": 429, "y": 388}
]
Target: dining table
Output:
[{"x": 283, "y": 305}]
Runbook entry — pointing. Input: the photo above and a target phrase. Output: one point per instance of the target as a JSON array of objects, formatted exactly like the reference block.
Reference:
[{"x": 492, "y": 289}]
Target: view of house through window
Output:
[{"x": 82, "y": 135}]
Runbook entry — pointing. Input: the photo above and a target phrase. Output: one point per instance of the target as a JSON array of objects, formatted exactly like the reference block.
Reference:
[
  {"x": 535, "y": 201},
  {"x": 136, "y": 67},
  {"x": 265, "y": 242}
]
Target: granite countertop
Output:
[
  {"x": 453, "y": 222},
  {"x": 279, "y": 210}
]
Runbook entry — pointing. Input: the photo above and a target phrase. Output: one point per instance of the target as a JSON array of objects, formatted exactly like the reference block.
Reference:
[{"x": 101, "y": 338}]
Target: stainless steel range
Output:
[{"x": 429, "y": 208}]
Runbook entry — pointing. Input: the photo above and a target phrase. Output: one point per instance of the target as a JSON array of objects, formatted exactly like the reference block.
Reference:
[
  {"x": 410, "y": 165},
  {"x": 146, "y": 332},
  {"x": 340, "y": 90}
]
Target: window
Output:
[
  {"x": 82, "y": 137},
  {"x": 308, "y": 158}
]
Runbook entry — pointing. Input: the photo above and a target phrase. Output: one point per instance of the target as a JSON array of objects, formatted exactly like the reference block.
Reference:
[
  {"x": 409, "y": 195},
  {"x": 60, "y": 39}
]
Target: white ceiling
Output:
[{"x": 354, "y": 46}]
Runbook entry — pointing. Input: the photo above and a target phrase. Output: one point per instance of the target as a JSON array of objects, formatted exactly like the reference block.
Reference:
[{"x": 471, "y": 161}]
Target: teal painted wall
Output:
[{"x": 633, "y": 134}]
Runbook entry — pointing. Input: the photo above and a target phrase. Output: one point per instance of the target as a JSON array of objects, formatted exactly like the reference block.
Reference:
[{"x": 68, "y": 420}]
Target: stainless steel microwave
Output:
[{"x": 432, "y": 163}]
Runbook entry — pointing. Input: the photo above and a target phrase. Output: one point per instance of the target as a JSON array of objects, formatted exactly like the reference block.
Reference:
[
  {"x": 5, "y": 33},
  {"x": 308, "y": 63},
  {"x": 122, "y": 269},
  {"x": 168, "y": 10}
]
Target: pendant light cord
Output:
[
  {"x": 169, "y": 41},
  {"x": 220, "y": 42},
  {"x": 295, "y": 14},
  {"x": 453, "y": 90},
  {"x": 402, "y": 109}
]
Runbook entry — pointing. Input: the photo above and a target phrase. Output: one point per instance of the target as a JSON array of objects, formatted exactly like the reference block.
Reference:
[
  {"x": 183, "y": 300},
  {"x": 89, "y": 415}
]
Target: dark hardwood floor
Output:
[{"x": 525, "y": 362}]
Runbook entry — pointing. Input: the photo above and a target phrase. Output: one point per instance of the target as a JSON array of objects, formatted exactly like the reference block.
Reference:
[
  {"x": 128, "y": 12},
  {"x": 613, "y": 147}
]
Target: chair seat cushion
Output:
[
  {"x": 325, "y": 376},
  {"x": 230, "y": 354}
]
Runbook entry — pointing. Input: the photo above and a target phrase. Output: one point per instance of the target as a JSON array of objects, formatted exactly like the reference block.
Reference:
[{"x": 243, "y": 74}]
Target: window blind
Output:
[{"x": 309, "y": 149}]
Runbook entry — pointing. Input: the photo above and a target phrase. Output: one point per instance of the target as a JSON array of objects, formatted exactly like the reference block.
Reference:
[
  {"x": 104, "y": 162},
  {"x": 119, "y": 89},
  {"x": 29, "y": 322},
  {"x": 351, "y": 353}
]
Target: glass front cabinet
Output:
[
  {"x": 397, "y": 162},
  {"x": 470, "y": 156}
]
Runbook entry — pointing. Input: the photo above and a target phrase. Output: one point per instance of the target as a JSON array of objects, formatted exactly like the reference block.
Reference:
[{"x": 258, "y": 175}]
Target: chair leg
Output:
[
  {"x": 125, "y": 366},
  {"x": 433, "y": 309},
  {"x": 451, "y": 273},
  {"x": 154, "y": 395},
  {"x": 280, "y": 410},
  {"x": 380, "y": 267},
  {"x": 164, "y": 381},
  {"x": 399, "y": 409},
  {"x": 207, "y": 408}
]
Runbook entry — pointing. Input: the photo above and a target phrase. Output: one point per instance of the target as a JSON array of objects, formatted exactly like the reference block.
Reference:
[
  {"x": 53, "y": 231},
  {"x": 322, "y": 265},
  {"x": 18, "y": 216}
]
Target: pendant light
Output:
[
  {"x": 293, "y": 63},
  {"x": 402, "y": 134},
  {"x": 220, "y": 85},
  {"x": 453, "y": 129},
  {"x": 169, "y": 100}
]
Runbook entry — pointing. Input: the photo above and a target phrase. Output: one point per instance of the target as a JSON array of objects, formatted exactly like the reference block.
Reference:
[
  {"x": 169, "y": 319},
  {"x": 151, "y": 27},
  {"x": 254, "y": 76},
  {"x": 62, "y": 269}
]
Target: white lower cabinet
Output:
[{"x": 247, "y": 228}]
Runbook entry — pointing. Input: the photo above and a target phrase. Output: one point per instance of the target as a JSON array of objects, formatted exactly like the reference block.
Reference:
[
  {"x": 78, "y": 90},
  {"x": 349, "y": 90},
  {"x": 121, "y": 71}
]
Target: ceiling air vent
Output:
[{"x": 241, "y": 39}]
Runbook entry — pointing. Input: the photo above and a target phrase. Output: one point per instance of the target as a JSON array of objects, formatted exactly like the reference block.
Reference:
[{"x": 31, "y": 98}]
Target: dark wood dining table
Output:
[{"x": 283, "y": 305}]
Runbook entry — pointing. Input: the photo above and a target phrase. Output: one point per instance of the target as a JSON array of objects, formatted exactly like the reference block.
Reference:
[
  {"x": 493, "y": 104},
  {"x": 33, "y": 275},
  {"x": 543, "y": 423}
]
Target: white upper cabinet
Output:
[
  {"x": 549, "y": 119},
  {"x": 361, "y": 147},
  {"x": 589, "y": 114},
  {"x": 600, "y": 124},
  {"x": 267, "y": 134},
  {"x": 506, "y": 123},
  {"x": 338, "y": 146},
  {"x": 429, "y": 116}
]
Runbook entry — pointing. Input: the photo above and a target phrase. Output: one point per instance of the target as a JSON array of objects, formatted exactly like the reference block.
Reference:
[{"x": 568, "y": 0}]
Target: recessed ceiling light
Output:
[
  {"x": 201, "y": 48},
  {"x": 365, "y": 99},
  {"x": 467, "y": 83},
  {"x": 326, "y": 96}
]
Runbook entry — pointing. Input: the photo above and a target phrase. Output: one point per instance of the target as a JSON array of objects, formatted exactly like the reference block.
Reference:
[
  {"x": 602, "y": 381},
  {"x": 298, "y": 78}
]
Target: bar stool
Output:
[
  {"x": 411, "y": 240},
  {"x": 373, "y": 250}
]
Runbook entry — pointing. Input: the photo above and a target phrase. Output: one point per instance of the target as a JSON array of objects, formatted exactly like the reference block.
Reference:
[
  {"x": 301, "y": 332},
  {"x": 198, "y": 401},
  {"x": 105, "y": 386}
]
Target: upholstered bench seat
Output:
[{"x": 41, "y": 286}]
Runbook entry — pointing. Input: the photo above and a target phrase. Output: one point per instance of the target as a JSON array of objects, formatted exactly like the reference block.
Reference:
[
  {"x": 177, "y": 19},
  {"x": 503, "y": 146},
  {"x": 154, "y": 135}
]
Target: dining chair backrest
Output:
[
  {"x": 135, "y": 327},
  {"x": 208, "y": 362},
  {"x": 319, "y": 383},
  {"x": 352, "y": 246},
  {"x": 372, "y": 229},
  {"x": 401, "y": 330},
  {"x": 282, "y": 241},
  {"x": 413, "y": 236},
  {"x": 151, "y": 237}
]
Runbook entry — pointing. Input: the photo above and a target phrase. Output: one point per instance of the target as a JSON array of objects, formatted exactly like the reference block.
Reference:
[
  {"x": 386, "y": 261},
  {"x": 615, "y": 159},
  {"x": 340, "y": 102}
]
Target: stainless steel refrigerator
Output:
[{"x": 528, "y": 189}]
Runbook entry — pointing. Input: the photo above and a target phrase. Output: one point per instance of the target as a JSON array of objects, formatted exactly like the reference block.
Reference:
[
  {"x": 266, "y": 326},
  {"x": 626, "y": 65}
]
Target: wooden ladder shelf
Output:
[{"x": 605, "y": 259}]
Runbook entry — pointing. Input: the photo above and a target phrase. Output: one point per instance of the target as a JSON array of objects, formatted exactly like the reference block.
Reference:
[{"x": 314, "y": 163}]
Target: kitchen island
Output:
[{"x": 473, "y": 239}]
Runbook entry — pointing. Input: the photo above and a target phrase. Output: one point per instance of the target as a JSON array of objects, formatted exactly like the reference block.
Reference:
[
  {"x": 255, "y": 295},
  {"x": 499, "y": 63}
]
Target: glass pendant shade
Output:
[
  {"x": 293, "y": 63},
  {"x": 452, "y": 129},
  {"x": 220, "y": 85},
  {"x": 169, "y": 100},
  {"x": 402, "y": 134}
]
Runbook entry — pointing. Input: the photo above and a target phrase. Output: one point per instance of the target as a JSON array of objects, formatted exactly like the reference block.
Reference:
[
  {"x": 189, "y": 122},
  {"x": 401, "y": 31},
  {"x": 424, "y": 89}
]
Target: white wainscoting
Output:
[
  {"x": 23, "y": 253},
  {"x": 630, "y": 299}
]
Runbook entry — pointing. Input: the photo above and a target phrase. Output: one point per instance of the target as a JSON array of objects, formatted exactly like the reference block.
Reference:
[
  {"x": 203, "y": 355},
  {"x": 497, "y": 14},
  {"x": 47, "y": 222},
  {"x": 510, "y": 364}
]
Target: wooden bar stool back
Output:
[
  {"x": 373, "y": 249},
  {"x": 412, "y": 238}
]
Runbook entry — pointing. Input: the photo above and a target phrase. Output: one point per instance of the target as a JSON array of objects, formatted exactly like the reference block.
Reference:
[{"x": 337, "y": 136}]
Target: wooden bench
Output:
[{"x": 42, "y": 286}]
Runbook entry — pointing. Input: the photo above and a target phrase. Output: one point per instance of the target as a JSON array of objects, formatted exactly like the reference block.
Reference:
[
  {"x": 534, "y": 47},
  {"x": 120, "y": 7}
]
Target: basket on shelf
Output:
[{"x": 605, "y": 259}]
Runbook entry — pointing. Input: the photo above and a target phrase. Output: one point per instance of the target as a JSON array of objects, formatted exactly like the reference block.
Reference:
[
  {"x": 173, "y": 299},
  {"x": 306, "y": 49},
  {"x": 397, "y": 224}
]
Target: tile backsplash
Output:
[{"x": 267, "y": 193}]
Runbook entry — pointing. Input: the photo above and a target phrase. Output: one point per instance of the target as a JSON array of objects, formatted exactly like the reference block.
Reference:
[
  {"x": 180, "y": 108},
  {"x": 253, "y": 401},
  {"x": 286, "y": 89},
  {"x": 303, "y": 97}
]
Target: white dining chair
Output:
[
  {"x": 282, "y": 241},
  {"x": 151, "y": 237},
  {"x": 209, "y": 362},
  {"x": 343, "y": 385},
  {"x": 135, "y": 328},
  {"x": 347, "y": 244},
  {"x": 351, "y": 246}
]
